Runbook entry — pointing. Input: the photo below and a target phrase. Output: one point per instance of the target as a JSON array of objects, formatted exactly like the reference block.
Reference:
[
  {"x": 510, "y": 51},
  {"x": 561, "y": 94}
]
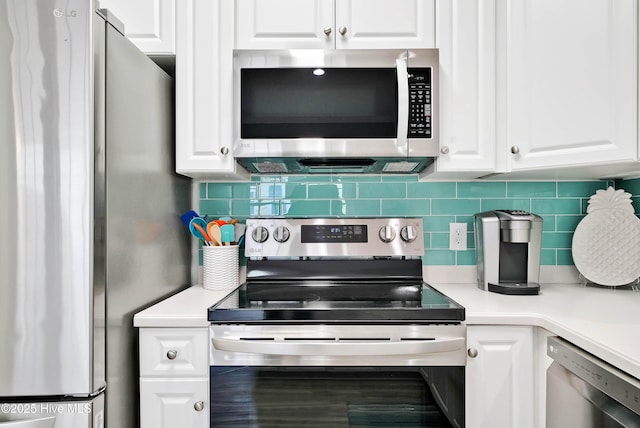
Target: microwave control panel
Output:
[{"x": 419, "y": 103}]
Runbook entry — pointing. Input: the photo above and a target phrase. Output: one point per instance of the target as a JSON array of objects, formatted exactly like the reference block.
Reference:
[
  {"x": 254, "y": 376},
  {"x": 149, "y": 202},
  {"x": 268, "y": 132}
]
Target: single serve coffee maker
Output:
[{"x": 508, "y": 244}]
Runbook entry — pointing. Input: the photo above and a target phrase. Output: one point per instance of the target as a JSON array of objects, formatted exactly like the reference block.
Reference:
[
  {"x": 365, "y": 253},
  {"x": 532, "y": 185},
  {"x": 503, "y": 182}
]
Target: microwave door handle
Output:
[
  {"x": 403, "y": 104},
  {"x": 338, "y": 348}
]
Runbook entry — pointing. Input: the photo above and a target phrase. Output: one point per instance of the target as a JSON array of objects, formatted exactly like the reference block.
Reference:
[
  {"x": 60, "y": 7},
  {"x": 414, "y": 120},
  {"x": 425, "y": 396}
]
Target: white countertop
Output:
[
  {"x": 185, "y": 309},
  {"x": 603, "y": 321}
]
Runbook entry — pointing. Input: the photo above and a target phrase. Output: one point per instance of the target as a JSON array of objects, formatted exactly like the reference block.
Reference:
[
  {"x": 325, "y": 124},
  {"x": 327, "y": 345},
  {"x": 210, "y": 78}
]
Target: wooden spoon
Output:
[{"x": 213, "y": 230}]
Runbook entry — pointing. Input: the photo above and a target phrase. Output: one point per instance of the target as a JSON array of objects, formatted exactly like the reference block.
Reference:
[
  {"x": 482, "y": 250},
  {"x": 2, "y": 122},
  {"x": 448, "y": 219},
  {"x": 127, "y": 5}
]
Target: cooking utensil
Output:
[
  {"x": 197, "y": 227},
  {"x": 228, "y": 234},
  {"x": 239, "y": 229},
  {"x": 186, "y": 217},
  {"x": 213, "y": 230}
]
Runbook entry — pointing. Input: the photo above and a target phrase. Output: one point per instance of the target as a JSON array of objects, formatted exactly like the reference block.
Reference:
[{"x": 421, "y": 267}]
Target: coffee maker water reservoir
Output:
[{"x": 508, "y": 245}]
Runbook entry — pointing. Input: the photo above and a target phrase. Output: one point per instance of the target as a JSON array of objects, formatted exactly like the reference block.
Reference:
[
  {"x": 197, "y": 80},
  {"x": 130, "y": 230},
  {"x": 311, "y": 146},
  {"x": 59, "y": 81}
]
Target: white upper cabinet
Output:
[
  {"x": 340, "y": 24},
  {"x": 528, "y": 86},
  {"x": 204, "y": 94},
  {"x": 149, "y": 24},
  {"x": 567, "y": 78},
  {"x": 466, "y": 38}
]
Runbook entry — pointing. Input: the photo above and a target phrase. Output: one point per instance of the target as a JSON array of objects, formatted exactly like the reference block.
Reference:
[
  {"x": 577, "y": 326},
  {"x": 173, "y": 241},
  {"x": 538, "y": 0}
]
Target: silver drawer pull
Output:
[
  {"x": 172, "y": 354},
  {"x": 199, "y": 406}
]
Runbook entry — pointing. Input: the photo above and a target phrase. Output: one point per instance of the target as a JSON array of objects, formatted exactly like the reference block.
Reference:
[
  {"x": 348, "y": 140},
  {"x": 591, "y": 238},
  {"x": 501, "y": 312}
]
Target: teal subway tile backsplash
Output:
[
  {"x": 405, "y": 207},
  {"x": 356, "y": 207},
  {"x": 544, "y": 189},
  {"x": 474, "y": 189},
  {"x": 490, "y": 204},
  {"x": 455, "y": 206},
  {"x": 561, "y": 204},
  {"x": 431, "y": 190}
]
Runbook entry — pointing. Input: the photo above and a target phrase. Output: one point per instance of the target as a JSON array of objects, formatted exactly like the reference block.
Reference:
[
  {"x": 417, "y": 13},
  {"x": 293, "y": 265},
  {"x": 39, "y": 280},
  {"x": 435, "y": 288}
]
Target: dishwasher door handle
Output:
[{"x": 340, "y": 348}]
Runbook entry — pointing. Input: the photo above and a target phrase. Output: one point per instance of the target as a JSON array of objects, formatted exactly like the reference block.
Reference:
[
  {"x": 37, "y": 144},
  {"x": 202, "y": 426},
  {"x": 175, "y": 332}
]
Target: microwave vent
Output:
[
  {"x": 270, "y": 167},
  {"x": 400, "y": 166}
]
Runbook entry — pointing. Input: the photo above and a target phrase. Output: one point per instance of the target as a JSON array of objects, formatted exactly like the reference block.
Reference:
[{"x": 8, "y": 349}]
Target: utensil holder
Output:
[{"x": 220, "y": 267}]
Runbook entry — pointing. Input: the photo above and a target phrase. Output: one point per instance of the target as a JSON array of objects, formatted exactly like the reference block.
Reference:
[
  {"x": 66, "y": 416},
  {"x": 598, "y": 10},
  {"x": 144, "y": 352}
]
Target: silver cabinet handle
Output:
[
  {"x": 339, "y": 348},
  {"x": 472, "y": 352},
  {"x": 172, "y": 354},
  {"x": 224, "y": 150},
  {"x": 32, "y": 423},
  {"x": 444, "y": 150},
  {"x": 342, "y": 30},
  {"x": 515, "y": 150},
  {"x": 327, "y": 31},
  {"x": 199, "y": 406}
]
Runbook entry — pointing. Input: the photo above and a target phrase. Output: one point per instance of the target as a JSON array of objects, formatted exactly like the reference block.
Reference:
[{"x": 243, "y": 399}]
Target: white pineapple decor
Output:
[{"x": 606, "y": 242}]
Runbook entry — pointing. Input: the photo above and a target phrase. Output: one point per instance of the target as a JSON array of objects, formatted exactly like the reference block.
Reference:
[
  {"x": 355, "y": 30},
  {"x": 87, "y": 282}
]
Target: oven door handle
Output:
[{"x": 340, "y": 348}]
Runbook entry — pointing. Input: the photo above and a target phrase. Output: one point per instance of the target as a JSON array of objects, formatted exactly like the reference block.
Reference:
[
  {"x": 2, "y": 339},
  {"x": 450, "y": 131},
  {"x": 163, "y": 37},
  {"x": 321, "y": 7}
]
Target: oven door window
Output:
[
  {"x": 319, "y": 103},
  {"x": 326, "y": 397}
]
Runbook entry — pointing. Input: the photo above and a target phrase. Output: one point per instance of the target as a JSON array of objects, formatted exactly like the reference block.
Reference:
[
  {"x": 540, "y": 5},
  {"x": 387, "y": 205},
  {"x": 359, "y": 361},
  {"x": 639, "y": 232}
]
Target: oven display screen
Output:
[{"x": 333, "y": 233}]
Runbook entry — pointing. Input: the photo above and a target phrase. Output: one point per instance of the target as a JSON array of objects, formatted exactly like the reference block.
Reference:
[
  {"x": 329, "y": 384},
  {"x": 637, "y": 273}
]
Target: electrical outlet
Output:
[{"x": 457, "y": 236}]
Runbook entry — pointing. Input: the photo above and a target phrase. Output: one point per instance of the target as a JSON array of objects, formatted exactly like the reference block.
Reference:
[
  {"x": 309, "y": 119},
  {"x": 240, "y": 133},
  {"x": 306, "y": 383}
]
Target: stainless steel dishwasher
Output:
[{"x": 584, "y": 391}]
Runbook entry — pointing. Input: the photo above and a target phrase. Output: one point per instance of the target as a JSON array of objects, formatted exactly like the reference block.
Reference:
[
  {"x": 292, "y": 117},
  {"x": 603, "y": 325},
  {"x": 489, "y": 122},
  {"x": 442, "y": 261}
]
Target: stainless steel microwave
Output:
[{"x": 336, "y": 111}]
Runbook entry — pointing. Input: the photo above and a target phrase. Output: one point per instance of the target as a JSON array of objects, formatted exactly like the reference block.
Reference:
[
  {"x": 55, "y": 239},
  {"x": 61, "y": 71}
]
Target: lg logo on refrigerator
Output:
[{"x": 59, "y": 13}]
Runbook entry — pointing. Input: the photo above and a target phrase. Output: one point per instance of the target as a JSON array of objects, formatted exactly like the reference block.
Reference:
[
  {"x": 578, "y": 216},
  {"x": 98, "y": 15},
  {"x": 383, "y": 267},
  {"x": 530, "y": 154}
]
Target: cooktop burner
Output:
[
  {"x": 431, "y": 306},
  {"x": 335, "y": 270}
]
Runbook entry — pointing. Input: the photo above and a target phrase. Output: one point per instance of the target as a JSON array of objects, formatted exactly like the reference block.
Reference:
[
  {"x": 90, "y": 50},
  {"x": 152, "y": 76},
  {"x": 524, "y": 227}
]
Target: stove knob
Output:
[
  {"x": 281, "y": 234},
  {"x": 260, "y": 234},
  {"x": 387, "y": 233},
  {"x": 408, "y": 233}
]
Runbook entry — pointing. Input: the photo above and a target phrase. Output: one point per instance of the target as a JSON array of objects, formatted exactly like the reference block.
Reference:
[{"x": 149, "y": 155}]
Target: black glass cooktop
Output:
[{"x": 336, "y": 303}]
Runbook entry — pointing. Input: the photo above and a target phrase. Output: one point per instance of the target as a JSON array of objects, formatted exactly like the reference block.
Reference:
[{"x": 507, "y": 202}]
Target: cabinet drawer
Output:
[{"x": 170, "y": 352}]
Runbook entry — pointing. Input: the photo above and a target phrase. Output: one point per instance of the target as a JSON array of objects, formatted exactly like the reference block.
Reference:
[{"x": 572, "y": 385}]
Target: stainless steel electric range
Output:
[{"x": 333, "y": 309}]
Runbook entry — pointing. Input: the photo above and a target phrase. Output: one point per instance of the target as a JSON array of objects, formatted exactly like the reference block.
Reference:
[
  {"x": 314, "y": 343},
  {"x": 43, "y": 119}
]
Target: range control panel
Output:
[
  {"x": 419, "y": 103},
  {"x": 334, "y": 237}
]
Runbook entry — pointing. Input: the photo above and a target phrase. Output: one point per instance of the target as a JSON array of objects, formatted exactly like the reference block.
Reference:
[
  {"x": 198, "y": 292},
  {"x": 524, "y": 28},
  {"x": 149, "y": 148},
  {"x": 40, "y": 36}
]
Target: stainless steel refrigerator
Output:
[{"x": 89, "y": 213}]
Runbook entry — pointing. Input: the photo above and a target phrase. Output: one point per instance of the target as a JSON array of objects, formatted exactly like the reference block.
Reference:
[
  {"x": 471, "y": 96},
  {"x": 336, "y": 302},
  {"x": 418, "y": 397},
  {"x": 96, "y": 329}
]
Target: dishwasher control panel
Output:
[{"x": 601, "y": 375}]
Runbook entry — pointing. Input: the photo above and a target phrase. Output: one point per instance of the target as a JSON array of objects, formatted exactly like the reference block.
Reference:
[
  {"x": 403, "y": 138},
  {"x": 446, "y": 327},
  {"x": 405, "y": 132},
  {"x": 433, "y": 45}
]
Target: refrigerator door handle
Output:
[{"x": 30, "y": 423}]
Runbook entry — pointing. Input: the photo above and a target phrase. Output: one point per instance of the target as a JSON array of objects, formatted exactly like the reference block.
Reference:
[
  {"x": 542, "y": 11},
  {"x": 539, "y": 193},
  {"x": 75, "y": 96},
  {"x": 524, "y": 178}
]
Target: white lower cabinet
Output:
[
  {"x": 174, "y": 378},
  {"x": 499, "y": 377},
  {"x": 542, "y": 363},
  {"x": 170, "y": 403}
]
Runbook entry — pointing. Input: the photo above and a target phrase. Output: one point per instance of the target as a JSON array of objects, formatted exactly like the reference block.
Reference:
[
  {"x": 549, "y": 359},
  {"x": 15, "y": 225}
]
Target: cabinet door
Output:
[
  {"x": 499, "y": 387},
  {"x": 341, "y": 24},
  {"x": 466, "y": 39},
  {"x": 149, "y": 24},
  {"x": 171, "y": 403},
  {"x": 285, "y": 24},
  {"x": 384, "y": 24},
  {"x": 570, "y": 81},
  {"x": 204, "y": 90}
]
